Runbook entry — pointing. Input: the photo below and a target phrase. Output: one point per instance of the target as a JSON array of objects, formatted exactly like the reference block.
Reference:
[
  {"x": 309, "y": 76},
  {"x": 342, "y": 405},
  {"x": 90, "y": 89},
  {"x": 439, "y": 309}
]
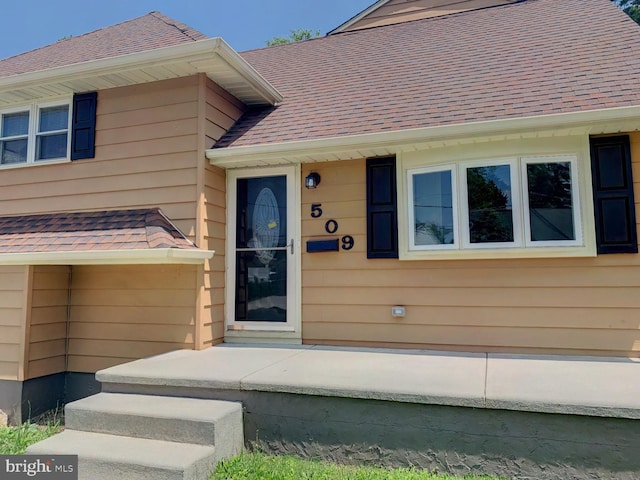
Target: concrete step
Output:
[
  {"x": 106, "y": 457},
  {"x": 173, "y": 419}
]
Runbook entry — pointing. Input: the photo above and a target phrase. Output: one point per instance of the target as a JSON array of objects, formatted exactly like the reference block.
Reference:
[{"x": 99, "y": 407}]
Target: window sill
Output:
[
  {"x": 500, "y": 253},
  {"x": 35, "y": 164}
]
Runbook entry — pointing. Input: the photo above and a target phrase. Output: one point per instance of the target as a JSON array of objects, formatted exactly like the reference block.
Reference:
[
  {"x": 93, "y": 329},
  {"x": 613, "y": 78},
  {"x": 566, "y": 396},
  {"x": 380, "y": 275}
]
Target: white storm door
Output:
[{"x": 262, "y": 254}]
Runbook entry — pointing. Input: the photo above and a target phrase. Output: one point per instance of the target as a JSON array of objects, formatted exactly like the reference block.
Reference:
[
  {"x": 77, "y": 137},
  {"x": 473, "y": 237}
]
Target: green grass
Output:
[
  {"x": 15, "y": 440},
  {"x": 258, "y": 466},
  {"x": 247, "y": 466}
]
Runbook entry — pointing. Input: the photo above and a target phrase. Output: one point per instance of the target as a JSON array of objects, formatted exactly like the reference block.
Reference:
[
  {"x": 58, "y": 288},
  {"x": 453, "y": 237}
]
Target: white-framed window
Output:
[
  {"x": 434, "y": 213},
  {"x": 489, "y": 190},
  {"x": 35, "y": 133},
  {"x": 551, "y": 201},
  {"x": 510, "y": 203}
]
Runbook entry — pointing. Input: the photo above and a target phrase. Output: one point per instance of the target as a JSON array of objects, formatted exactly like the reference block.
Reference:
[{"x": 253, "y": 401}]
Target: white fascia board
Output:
[
  {"x": 109, "y": 257},
  {"x": 249, "y": 73},
  {"x": 200, "y": 50},
  {"x": 577, "y": 122}
]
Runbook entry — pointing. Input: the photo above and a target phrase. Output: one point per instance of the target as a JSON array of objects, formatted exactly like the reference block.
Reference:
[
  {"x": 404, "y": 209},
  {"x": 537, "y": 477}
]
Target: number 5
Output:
[{"x": 316, "y": 211}]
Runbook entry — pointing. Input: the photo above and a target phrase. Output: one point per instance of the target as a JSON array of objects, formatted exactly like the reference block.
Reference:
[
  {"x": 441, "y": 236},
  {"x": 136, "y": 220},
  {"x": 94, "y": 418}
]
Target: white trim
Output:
[
  {"x": 262, "y": 337},
  {"x": 358, "y": 17},
  {"x": 197, "y": 56},
  {"x": 34, "y": 110},
  {"x": 108, "y": 257},
  {"x": 247, "y": 73},
  {"x": 37, "y": 133},
  {"x": 574, "y": 147},
  {"x": 291, "y": 331},
  {"x": 611, "y": 120}
]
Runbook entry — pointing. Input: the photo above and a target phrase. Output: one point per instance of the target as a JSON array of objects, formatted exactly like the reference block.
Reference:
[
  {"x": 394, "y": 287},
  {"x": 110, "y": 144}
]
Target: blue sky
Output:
[{"x": 244, "y": 24}]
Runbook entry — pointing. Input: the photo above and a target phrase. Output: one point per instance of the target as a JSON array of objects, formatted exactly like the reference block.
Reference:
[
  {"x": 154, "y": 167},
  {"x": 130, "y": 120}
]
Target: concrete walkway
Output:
[{"x": 605, "y": 387}]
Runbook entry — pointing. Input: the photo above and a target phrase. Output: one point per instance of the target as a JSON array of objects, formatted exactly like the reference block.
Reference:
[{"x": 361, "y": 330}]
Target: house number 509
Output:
[{"x": 331, "y": 226}]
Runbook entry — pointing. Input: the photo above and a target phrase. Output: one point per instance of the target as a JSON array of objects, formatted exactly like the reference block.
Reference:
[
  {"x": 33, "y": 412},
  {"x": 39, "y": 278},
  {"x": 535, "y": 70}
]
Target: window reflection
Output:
[
  {"x": 550, "y": 201},
  {"x": 489, "y": 200}
]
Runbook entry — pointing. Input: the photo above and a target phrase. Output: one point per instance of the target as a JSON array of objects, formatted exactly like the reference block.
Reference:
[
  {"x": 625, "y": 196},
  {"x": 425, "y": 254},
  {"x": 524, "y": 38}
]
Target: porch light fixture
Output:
[{"x": 312, "y": 180}]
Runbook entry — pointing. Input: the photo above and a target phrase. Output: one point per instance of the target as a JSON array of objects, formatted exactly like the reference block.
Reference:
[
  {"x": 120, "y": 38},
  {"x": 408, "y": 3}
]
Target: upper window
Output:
[
  {"x": 510, "y": 203},
  {"x": 34, "y": 134}
]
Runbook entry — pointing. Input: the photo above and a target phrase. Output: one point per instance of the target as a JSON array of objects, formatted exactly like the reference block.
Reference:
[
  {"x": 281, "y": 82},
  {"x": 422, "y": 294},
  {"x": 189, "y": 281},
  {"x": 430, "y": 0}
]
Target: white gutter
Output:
[
  {"x": 109, "y": 257},
  {"x": 194, "y": 53},
  {"x": 248, "y": 72},
  {"x": 344, "y": 146}
]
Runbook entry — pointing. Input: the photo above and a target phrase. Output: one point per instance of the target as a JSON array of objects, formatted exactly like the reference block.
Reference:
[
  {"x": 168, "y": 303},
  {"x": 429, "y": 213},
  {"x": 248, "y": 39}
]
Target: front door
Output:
[{"x": 262, "y": 256}]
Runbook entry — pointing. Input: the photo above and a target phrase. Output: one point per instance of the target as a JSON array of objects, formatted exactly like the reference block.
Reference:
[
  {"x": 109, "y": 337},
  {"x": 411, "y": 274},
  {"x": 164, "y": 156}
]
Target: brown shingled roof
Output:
[
  {"x": 531, "y": 58},
  {"x": 85, "y": 231},
  {"x": 147, "y": 32}
]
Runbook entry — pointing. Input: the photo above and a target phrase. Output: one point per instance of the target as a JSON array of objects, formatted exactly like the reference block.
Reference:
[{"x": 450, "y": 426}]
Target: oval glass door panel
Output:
[{"x": 261, "y": 250}]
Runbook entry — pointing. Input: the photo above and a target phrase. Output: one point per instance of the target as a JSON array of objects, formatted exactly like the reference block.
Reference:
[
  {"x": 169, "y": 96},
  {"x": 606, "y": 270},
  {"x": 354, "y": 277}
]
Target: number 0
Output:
[{"x": 331, "y": 226}]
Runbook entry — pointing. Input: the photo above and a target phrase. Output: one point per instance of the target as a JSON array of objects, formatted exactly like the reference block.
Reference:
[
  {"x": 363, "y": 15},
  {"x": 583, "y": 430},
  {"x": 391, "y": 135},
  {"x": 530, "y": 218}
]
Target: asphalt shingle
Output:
[
  {"x": 84, "y": 231},
  {"x": 535, "y": 57},
  {"x": 148, "y": 32}
]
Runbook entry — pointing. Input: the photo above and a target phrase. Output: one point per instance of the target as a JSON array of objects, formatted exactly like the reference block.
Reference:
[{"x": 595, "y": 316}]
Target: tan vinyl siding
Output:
[
  {"x": 48, "y": 321},
  {"x": 150, "y": 143},
  {"x": 146, "y": 156},
  {"x": 122, "y": 313},
  {"x": 213, "y": 315},
  {"x": 563, "y": 305},
  {"x": 398, "y": 11},
  {"x": 221, "y": 112},
  {"x": 13, "y": 304}
]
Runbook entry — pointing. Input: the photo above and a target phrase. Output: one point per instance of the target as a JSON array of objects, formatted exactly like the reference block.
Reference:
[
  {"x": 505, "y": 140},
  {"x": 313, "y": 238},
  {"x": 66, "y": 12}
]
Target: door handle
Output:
[{"x": 291, "y": 246}]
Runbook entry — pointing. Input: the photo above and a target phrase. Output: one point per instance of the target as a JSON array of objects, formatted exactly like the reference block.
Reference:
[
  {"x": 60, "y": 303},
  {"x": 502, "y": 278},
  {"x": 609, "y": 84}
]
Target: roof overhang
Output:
[
  {"x": 434, "y": 8},
  {"x": 356, "y": 18},
  {"x": 212, "y": 56},
  {"x": 592, "y": 122},
  {"x": 109, "y": 257}
]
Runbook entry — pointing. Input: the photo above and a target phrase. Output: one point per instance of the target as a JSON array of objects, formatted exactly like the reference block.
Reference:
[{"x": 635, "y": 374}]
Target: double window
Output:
[
  {"x": 509, "y": 203},
  {"x": 34, "y": 134}
]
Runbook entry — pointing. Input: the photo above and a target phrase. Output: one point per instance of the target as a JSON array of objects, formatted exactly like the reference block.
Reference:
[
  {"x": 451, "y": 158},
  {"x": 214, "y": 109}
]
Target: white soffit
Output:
[
  {"x": 212, "y": 56},
  {"x": 109, "y": 257},
  {"x": 594, "y": 122}
]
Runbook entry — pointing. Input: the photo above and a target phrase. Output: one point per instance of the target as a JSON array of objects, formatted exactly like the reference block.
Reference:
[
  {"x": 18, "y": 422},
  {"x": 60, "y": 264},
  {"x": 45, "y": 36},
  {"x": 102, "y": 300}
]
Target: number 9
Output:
[{"x": 347, "y": 242}]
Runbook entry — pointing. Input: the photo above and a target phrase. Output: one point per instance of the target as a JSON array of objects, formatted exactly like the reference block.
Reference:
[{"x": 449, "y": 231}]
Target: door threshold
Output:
[{"x": 256, "y": 336}]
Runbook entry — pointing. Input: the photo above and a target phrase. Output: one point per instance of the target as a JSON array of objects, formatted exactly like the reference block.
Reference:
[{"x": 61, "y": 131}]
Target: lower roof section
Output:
[
  {"x": 140, "y": 236},
  {"x": 348, "y": 147}
]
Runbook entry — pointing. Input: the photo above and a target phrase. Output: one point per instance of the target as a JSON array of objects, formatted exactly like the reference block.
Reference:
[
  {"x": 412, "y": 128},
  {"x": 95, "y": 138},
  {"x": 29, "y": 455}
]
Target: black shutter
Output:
[
  {"x": 615, "y": 208},
  {"x": 382, "y": 217},
  {"x": 83, "y": 125}
]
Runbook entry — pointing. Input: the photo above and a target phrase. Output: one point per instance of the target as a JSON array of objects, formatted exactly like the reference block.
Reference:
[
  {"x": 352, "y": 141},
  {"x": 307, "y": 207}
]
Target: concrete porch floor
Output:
[
  {"x": 519, "y": 417},
  {"x": 594, "y": 386}
]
